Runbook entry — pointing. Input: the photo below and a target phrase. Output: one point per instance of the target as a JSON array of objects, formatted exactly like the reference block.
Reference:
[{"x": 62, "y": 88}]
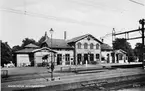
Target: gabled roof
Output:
[
  {"x": 26, "y": 50},
  {"x": 31, "y": 46},
  {"x": 31, "y": 50},
  {"x": 61, "y": 43},
  {"x": 58, "y": 43},
  {"x": 44, "y": 48},
  {"x": 106, "y": 47},
  {"x": 120, "y": 51},
  {"x": 82, "y": 37}
]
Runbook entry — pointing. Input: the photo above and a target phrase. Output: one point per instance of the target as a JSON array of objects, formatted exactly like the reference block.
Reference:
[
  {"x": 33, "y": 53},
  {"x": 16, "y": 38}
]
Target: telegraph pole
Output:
[{"x": 142, "y": 22}]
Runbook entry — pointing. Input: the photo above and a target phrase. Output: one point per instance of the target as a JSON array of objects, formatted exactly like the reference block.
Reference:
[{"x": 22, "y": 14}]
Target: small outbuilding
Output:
[
  {"x": 32, "y": 55},
  {"x": 113, "y": 56}
]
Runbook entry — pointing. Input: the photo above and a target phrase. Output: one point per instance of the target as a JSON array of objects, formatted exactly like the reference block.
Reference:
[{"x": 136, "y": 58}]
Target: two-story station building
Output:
[{"x": 74, "y": 51}]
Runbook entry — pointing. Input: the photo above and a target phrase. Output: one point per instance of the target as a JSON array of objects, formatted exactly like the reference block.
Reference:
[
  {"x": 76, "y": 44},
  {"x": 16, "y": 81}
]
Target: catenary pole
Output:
[{"x": 142, "y": 22}]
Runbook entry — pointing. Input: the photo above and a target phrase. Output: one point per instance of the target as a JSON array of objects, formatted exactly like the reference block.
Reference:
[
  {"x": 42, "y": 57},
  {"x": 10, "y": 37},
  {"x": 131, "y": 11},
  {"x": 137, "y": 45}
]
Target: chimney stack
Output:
[
  {"x": 102, "y": 40},
  {"x": 64, "y": 35}
]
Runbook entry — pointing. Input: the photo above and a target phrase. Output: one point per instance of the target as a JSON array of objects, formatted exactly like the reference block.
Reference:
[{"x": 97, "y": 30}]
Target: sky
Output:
[{"x": 20, "y": 19}]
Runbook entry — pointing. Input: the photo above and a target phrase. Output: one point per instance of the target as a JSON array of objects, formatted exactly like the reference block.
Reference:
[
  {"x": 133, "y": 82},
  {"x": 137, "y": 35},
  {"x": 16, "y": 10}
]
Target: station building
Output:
[{"x": 75, "y": 51}]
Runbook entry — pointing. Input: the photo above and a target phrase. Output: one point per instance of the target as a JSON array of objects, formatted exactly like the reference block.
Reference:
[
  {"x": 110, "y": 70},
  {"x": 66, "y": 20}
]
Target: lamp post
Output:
[{"x": 52, "y": 65}]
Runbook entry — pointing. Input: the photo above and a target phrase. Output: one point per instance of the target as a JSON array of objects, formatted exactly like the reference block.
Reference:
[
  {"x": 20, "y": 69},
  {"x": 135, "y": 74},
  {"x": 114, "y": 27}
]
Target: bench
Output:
[{"x": 69, "y": 67}]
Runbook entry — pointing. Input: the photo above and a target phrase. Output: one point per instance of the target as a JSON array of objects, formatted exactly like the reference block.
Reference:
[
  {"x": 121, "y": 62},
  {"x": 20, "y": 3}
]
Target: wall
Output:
[
  {"x": 63, "y": 52},
  {"x": 104, "y": 54},
  {"x": 86, "y": 51},
  {"x": 38, "y": 57},
  {"x": 22, "y": 59}
]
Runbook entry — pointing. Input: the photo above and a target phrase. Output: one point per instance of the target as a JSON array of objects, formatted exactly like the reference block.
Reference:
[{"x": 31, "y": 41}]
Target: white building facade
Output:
[
  {"x": 76, "y": 51},
  {"x": 87, "y": 49}
]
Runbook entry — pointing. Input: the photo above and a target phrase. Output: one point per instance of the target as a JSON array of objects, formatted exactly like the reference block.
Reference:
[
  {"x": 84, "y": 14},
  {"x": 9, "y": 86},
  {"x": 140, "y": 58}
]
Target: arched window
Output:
[
  {"x": 79, "y": 45},
  {"x": 91, "y": 46},
  {"x": 97, "y": 46},
  {"x": 85, "y": 46}
]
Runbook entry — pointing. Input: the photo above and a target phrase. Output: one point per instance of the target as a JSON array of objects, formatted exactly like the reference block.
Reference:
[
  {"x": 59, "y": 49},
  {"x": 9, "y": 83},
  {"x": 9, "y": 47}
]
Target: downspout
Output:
[
  {"x": 100, "y": 54},
  {"x": 75, "y": 54}
]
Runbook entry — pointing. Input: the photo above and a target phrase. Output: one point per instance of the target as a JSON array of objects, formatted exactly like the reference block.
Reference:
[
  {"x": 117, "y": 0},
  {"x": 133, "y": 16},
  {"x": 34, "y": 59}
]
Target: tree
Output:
[
  {"x": 16, "y": 48},
  {"x": 138, "y": 50},
  {"x": 40, "y": 41},
  {"x": 27, "y": 41},
  {"x": 121, "y": 43},
  {"x": 6, "y": 53}
]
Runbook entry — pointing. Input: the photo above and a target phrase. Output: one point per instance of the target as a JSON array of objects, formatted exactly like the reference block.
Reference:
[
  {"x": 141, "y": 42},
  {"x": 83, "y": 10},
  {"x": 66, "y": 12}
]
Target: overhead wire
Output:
[
  {"x": 39, "y": 15},
  {"x": 26, "y": 12},
  {"x": 94, "y": 4},
  {"x": 137, "y": 2}
]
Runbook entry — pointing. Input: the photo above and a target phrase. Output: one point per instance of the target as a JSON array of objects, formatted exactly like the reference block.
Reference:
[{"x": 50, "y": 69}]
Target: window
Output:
[
  {"x": 91, "y": 46},
  {"x": 91, "y": 57},
  {"x": 85, "y": 46},
  {"x": 120, "y": 56},
  {"x": 97, "y": 56},
  {"x": 97, "y": 46},
  {"x": 79, "y": 45},
  {"x": 67, "y": 57}
]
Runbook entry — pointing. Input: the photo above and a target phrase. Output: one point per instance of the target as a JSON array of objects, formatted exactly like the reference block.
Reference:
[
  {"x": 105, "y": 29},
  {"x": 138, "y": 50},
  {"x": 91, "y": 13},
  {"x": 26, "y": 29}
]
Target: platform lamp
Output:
[{"x": 52, "y": 65}]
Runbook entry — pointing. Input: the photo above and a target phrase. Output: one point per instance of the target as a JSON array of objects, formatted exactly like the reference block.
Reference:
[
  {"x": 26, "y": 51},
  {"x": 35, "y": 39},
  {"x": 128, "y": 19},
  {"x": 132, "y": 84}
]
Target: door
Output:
[
  {"x": 67, "y": 59},
  {"x": 79, "y": 56},
  {"x": 85, "y": 58},
  {"x": 91, "y": 57},
  {"x": 113, "y": 57},
  {"x": 108, "y": 58},
  {"x": 59, "y": 59},
  {"x": 117, "y": 59}
]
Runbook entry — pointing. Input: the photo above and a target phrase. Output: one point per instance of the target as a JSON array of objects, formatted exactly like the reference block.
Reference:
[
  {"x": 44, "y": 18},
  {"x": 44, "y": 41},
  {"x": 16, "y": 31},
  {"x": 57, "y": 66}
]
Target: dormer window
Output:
[{"x": 85, "y": 46}]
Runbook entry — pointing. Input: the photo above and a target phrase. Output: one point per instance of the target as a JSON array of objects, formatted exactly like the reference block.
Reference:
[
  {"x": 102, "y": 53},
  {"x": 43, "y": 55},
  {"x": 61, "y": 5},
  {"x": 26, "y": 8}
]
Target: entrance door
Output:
[
  {"x": 59, "y": 59},
  {"x": 117, "y": 59},
  {"x": 79, "y": 58},
  {"x": 85, "y": 58},
  {"x": 113, "y": 57},
  {"x": 108, "y": 58}
]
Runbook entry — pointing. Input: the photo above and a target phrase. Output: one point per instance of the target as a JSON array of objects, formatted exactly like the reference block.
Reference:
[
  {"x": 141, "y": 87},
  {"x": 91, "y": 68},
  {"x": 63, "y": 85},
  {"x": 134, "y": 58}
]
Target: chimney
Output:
[
  {"x": 45, "y": 34},
  {"x": 102, "y": 40},
  {"x": 64, "y": 35}
]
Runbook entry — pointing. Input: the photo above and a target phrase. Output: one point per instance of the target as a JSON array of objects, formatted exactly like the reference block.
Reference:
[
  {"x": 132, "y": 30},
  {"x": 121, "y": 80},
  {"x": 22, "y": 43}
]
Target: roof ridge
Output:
[
  {"x": 31, "y": 45},
  {"x": 78, "y": 37},
  {"x": 82, "y": 36}
]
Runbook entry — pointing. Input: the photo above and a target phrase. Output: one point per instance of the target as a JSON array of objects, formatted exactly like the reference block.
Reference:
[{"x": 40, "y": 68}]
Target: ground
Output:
[{"x": 39, "y": 75}]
